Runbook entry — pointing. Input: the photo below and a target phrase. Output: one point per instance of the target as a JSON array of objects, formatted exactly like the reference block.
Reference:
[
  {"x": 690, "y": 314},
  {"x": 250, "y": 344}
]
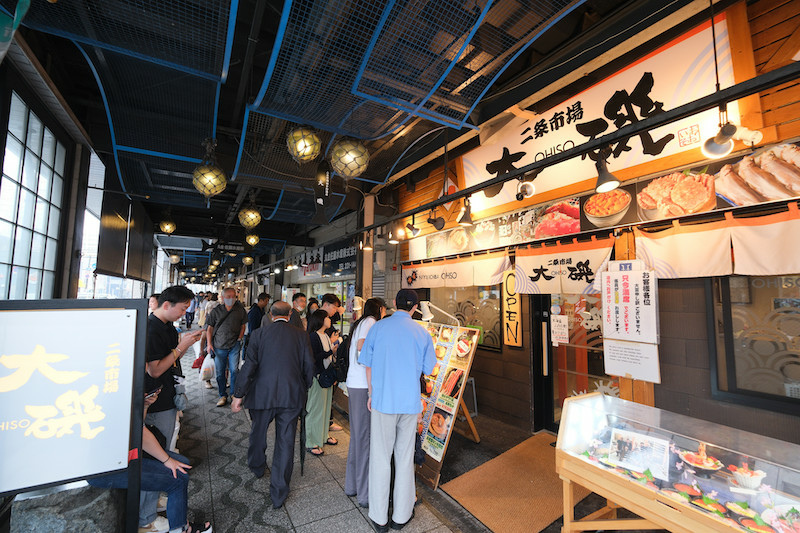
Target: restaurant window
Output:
[
  {"x": 31, "y": 190},
  {"x": 476, "y": 307},
  {"x": 757, "y": 328}
]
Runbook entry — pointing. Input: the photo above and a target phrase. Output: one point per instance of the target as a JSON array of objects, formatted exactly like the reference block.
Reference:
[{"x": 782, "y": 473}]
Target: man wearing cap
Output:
[{"x": 396, "y": 351}]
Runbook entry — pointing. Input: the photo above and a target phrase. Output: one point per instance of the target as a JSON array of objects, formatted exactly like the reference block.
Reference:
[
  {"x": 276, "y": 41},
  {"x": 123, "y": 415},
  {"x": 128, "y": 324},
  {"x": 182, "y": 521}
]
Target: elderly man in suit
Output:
[{"x": 274, "y": 380}]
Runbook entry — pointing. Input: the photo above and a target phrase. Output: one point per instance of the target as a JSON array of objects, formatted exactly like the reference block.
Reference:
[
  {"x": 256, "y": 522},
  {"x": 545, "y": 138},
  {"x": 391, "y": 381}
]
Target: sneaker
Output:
[
  {"x": 222, "y": 401},
  {"x": 159, "y": 525},
  {"x": 162, "y": 503},
  {"x": 209, "y": 385}
]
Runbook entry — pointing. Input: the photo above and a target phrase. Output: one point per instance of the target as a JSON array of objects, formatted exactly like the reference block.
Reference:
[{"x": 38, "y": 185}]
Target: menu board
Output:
[
  {"x": 769, "y": 173},
  {"x": 454, "y": 348}
]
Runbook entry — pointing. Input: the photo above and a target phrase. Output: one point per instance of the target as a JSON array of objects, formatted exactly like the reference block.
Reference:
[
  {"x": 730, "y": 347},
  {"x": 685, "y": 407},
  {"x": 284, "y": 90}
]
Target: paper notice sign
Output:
[{"x": 559, "y": 329}]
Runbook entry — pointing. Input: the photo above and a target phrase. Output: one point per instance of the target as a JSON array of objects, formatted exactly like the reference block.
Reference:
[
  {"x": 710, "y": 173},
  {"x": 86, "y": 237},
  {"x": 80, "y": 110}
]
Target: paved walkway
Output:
[{"x": 223, "y": 490}]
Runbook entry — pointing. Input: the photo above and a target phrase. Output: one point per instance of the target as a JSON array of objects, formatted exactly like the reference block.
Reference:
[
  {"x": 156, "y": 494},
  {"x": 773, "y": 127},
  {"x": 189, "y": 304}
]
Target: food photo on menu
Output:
[
  {"x": 607, "y": 209},
  {"x": 557, "y": 219},
  {"x": 770, "y": 173},
  {"x": 439, "y": 425},
  {"x": 447, "y": 334},
  {"x": 452, "y": 382}
]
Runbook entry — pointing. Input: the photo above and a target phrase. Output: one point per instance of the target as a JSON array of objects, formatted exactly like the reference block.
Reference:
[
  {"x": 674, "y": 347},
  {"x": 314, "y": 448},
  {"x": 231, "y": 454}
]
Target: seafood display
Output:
[
  {"x": 677, "y": 194},
  {"x": 771, "y": 175}
]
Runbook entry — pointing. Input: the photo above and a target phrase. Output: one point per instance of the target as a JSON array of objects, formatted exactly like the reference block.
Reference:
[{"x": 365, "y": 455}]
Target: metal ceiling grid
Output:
[
  {"x": 155, "y": 108},
  {"x": 438, "y": 58},
  {"x": 313, "y": 65},
  {"x": 193, "y": 36}
]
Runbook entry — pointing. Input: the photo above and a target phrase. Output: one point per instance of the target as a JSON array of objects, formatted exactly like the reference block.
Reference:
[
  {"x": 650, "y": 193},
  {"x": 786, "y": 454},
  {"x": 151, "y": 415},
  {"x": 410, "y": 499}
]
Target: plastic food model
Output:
[{"x": 716, "y": 487}]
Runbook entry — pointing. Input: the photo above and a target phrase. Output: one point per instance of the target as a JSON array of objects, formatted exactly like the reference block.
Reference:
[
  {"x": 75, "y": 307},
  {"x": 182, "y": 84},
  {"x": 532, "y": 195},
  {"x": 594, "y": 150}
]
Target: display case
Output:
[{"x": 674, "y": 471}]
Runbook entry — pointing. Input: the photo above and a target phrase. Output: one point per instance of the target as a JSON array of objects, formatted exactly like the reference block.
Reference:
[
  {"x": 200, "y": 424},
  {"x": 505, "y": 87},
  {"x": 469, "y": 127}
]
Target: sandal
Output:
[
  {"x": 194, "y": 527},
  {"x": 331, "y": 441},
  {"x": 316, "y": 450}
]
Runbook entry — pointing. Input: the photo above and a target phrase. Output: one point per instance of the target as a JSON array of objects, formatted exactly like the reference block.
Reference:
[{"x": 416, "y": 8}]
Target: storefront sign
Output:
[
  {"x": 570, "y": 268},
  {"x": 463, "y": 272},
  {"x": 630, "y": 306},
  {"x": 455, "y": 349},
  {"x": 635, "y": 360},
  {"x": 678, "y": 73},
  {"x": 313, "y": 261},
  {"x": 512, "y": 316},
  {"x": 65, "y": 394},
  {"x": 340, "y": 258}
]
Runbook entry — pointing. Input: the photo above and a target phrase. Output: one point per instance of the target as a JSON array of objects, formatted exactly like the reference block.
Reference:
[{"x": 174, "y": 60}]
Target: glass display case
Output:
[{"x": 676, "y": 472}]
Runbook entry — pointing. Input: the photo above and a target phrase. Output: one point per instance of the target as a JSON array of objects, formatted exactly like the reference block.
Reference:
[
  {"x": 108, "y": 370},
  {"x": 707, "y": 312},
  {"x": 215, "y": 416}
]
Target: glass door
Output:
[{"x": 572, "y": 368}]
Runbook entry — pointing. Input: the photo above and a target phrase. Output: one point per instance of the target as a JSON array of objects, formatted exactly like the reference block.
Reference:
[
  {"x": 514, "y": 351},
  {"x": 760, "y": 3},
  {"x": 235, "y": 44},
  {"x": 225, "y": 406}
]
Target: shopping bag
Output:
[{"x": 208, "y": 370}]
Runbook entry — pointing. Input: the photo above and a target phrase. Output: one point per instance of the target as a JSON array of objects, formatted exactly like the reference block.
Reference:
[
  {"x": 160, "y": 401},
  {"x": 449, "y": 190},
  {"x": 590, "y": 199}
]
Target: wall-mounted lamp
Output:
[{"x": 427, "y": 315}]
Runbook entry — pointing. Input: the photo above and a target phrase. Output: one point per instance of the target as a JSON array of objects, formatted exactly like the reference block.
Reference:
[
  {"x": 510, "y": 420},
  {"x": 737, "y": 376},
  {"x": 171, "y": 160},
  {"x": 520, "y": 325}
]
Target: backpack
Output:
[{"x": 342, "y": 364}]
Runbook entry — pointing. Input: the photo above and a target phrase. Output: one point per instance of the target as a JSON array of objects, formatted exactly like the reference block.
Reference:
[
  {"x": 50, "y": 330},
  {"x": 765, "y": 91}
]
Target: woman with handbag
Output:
[{"x": 320, "y": 395}]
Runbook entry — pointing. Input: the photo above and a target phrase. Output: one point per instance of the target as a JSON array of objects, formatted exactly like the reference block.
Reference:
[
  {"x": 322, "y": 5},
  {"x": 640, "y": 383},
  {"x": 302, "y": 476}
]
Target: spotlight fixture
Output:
[
  {"x": 250, "y": 217},
  {"x": 393, "y": 238},
  {"x": 413, "y": 231},
  {"x": 606, "y": 181},
  {"x": 207, "y": 177},
  {"x": 247, "y": 260},
  {"x": 525, "y": 189},
  {"x": 465, "y": 218},
  {"x": 367, "y": 243},
  {"x": 168, "y": 225},
  {"x": 349, "y": 158},
  {"x": 721, "y": 144},
  {"x": 436, "y": 222},
  {"x": 303, "y": 144},
  {"x": 174, "y": 259},
  {"x": 252, "y": 239}
]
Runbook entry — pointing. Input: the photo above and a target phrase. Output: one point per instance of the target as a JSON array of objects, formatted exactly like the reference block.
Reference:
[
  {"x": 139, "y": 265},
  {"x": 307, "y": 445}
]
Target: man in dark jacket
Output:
[{"x": 273, "y": 381}]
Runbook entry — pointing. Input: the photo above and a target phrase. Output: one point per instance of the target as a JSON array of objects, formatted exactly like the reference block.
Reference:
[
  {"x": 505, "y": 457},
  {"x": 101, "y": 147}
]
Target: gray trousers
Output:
[
  {"x": 356, "y": 480},
  {"x": 391, "y": 434},
  {"x": 148, "y": 500}
]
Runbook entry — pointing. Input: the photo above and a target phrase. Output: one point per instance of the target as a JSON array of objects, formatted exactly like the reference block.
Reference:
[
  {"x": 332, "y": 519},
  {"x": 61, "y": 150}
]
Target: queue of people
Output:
[{"x": 283, "y": 378}]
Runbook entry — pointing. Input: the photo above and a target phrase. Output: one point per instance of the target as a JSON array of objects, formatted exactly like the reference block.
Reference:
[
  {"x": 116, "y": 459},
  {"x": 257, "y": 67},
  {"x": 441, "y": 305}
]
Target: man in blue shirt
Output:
[{"x": 396, "y": 352}]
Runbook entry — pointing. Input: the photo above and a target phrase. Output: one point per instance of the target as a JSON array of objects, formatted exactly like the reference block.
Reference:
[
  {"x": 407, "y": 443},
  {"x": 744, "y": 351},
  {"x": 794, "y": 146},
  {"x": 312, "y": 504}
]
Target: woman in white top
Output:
[{"x": 357, "y": 474}]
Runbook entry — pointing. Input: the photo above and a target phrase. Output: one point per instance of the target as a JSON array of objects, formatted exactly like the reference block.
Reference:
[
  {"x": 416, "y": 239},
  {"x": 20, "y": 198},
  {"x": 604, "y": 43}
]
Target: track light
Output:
[
  {"x": 413, "y": 231},
  {"x": 606, "y": 181},
  {"x": 525, "y": 189},
  {"x": 436, "y": 222},
  {"x": 367, "y": 242},
  {"x": 393, "y": 238},
  {"x": 465, "y": 218},
  {"x": 722, "y": 143}
]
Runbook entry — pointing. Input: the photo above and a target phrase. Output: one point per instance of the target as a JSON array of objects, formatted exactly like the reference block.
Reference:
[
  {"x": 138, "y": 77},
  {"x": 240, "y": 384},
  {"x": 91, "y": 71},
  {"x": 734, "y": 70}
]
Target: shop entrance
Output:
[{"x": 570, "y": 368}]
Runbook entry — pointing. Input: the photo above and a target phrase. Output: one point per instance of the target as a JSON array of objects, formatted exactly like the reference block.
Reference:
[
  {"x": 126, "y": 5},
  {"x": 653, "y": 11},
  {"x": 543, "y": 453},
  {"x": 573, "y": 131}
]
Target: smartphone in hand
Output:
[{"x": 153, "y": 393}]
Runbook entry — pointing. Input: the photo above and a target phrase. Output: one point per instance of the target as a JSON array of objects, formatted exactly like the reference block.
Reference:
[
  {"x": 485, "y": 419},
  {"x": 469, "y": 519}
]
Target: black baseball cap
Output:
[{"x": 406, "y": 299}]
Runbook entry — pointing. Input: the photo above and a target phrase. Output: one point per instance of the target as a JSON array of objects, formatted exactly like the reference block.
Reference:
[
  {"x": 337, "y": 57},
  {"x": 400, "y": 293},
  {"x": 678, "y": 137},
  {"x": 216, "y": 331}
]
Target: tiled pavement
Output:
[{"x": 223, "y": 490}]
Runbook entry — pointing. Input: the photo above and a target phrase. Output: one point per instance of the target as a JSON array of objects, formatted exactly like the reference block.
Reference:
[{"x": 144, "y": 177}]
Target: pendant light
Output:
[
  {"x": 247, "y": 260},
  {"x": 250, "y": 217},
  {"x": 349, "y": 158},
  {"x": 252, "y": 239},
  {"x": 174, "y": 259},
  {"x": 303, "y": 144},
  {"x": 207, "y": 177}
]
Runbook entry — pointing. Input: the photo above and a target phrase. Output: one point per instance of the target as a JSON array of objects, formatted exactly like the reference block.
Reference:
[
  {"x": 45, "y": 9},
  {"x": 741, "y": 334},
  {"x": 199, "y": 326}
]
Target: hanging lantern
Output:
[
  {"x": 212, "y": 268},
  {"x": 252, "y": 239},
  {"x": 349, "y": 158},
  {"x": 215, "y": 262},
  {"x": 303, "y": 144},
  {"x": 174, "y": 259},
  {"x": 247, "y": 260},
  {"x": 168, "y": 225},
  {"x": 208, "y": 178},
  {"x": 249, "y": 216},
  {"x": 183, "y": 274}
]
